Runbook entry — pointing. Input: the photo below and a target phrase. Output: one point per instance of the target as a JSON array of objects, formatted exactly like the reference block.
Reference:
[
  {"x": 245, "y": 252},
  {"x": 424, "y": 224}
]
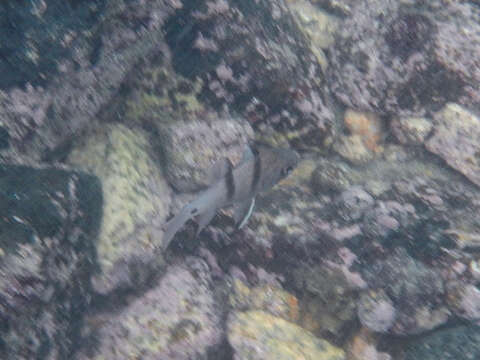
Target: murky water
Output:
[{"x": 215, "y": 180}]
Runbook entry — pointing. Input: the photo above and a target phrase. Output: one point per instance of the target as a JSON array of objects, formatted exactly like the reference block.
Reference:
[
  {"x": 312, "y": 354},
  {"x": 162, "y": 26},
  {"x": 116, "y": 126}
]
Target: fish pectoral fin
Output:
[
  {"x": 242, "y": 212},
  {"x": 219, "y": 169},
  {"x": 204, "y": 219},
  {"x": 248, "y": 153}
]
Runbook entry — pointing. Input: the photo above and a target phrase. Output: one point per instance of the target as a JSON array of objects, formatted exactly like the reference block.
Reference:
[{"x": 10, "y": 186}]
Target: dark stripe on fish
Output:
[
  {"x": 230, "y": 183},
  {"x": 257, "y": 170}
]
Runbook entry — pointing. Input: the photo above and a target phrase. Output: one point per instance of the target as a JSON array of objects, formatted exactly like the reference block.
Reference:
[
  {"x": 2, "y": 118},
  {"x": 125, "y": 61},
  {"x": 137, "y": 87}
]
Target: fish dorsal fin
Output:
[
  {"x": 219, "y": 170},
  {"x": 242, "y": 212}
]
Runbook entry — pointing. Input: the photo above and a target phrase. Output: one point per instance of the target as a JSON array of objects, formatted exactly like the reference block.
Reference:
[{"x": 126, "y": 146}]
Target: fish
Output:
[{"x": 261, "y": 168}]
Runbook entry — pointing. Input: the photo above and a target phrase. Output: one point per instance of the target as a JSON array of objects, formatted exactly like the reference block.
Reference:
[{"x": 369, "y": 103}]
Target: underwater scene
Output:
[{"x": 240, "y": 180}]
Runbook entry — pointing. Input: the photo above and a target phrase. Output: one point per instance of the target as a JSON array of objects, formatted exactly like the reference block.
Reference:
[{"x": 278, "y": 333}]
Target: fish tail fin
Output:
[{"x": 172, "y": 226}]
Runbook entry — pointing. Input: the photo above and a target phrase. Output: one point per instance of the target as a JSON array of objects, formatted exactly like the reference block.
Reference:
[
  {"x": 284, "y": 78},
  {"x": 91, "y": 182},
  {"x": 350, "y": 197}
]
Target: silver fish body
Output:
[{"x": 260, "y": 169}]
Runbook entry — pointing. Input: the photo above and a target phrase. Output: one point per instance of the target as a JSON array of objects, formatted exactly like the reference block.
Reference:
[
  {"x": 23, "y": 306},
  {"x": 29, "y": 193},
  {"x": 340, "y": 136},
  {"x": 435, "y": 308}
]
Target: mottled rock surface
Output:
[
  {"x": 253, "y": 59},
  {"x": 317, "y": 24},
  {"x": 177, "y": 319},
  {"x": 455, "y": 139},
  {"x": 191, "y": 148},
  {"x": 271, "y": 299},
  {"x": 353, "y": 203},
  {"x": 331, "y": 176},
  {"x": 363, "y": 346},
  {"x": 353, "y": 149},
  {"x": 136, "y": 203},
  {"x": 288, "y": 213},
  {"x": 397, "y": 57},
  {"x": 258, "y": 335},
  {"x": 156, "y": 95},
  {"x": 411, "y": 130},
  {"x": 90, "y": 52},
  {"x": 364, "y": 235},
  {"x": 376, "y": 311},
  {"x": 415, "y": 291},
  {"x": 327, "y": 303},
  {"x": 40, "y": 35},
  {"x": 464, "y": 300},
  {"x": 49, "y": 219},
  {"x": 457, "y": 343}
]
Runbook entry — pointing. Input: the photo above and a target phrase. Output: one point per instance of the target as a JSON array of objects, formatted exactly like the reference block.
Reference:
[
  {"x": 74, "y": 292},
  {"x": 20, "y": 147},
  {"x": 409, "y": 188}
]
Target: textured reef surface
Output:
[{"x": 112, "y": 113}]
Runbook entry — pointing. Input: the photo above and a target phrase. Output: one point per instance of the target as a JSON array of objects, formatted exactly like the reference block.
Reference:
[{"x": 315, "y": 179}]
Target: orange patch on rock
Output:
[
  {"x": 293, "y": 308},
  {"x": 368, "y": 126}
]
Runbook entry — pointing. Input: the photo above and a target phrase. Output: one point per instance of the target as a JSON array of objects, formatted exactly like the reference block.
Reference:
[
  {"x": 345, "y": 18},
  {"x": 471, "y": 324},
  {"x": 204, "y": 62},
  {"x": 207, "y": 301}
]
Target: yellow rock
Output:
[
  {"x": 316, "y": 24},
  {"x": 268, "y": 298},
  {"x": 259, "y": 335},
  {"x": 121, "y": 158},
  {"x": 353, "y": 149}
]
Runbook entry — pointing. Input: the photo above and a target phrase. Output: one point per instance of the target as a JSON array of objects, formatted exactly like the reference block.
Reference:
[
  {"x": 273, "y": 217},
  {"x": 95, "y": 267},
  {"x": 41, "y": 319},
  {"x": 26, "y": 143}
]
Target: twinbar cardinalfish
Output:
[{"x": 260, "y": 169}]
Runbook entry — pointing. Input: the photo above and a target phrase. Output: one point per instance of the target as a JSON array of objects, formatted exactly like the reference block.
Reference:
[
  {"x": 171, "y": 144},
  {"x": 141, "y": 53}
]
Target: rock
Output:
[
  {"x": 49, "y": 219},
  {"x": 457, "y": 37},
  {"x": 331, "y": 176},
  {"x": 376, "y": 311},
  {"x": 455, "y": 139},
  {"x": 363, "y": 346},
  {"x": 136, "y": 203},
  {"x": 318, "y": 25},
  {"x": 456, "y": 343},
  {"x": 421, "y": 229},
  {"x": 411, "y": 130},
  {"x": 340, "y": 8},
  {"x": 38, "y": 42},
  {"x": 388, "y": 218},
  {"x": 177, "y": 319},
  {"x": 286, "y": 213},
  {"x": 294, "y": 214},
  {"x": 347, "y": 259},
  {"x": 157, "y": 95},
  {"x": 353, "y": 149},
  {"x": 49, "y": 96},
  {"x": 253, "y": 60},
  {"x": 191, "y": 148},
  {"x": 464, "y": 239},
  {"x": 474, "y": 269},
  {"x": 271, "y": 299},
  {"x": 414, "y": 290},
  {"x": 353, "y": 203},
  {"x": 395, "y": 58},
  {"x": 368, "y": 126},
  {"x": 258, "y": 335},
  {"x": 396, "y": 154},
  {"x": 327, "y": 303},
  {"x": 464, "y": 300}
]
